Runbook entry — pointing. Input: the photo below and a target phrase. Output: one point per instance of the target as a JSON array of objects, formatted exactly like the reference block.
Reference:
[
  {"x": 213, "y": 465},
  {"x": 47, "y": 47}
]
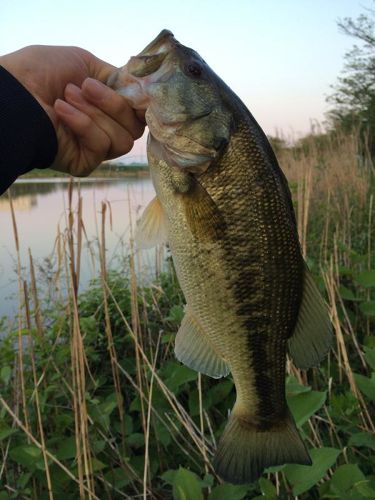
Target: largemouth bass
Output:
[{"x": 224, "y": 207}]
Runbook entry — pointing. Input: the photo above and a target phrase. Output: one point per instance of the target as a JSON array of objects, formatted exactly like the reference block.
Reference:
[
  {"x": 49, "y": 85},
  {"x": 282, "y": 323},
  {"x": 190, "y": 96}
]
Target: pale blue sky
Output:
[{"x": 279, "y": 56}]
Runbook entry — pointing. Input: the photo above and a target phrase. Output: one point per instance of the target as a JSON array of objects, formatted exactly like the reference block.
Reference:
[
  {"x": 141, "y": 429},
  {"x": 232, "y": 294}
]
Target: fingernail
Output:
[
  {"x": 95, "y": 89},
  {"x": 74, "y": 93},
  {"x": 65, "y": 108}
]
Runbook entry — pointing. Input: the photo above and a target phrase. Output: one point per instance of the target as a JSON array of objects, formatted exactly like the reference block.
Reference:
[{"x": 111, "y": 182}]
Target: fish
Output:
[{"x": 224, "y": 208}]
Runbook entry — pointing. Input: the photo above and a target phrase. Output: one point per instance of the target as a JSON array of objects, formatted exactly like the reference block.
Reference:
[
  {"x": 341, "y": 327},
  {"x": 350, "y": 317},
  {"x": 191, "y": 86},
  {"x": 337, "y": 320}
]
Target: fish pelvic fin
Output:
[
  {"x": 151, "y": 228},
  {"x": 312, "y": 336},
  {"x": 195, "y": 350},
  {"x": 244, "y": 451}
]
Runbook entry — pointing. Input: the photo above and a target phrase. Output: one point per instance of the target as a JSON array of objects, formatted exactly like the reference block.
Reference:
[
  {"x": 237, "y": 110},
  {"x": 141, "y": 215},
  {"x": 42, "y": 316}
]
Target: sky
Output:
[{"x": 279, "y": 56}]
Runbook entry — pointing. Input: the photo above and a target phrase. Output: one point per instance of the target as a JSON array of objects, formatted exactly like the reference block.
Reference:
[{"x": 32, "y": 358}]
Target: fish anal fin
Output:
[
  {"x": 151, "y": 228},
  {"x": 312, "y": 336},
  {"x": 195, "y": 350}
]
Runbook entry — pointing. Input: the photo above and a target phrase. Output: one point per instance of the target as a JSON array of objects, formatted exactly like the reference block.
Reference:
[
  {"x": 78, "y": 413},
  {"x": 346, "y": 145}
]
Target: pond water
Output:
[{"x": 41, "y": 213}]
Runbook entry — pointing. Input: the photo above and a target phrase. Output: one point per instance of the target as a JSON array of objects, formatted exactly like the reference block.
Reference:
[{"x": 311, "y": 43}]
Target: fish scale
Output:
[
  {"x": 224, "y": 207},
  {"x": 254, "y": 266}
]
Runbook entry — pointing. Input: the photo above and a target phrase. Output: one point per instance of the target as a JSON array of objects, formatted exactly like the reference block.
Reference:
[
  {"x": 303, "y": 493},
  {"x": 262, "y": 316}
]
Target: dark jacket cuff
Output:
[{"x": 27, "y": 136}]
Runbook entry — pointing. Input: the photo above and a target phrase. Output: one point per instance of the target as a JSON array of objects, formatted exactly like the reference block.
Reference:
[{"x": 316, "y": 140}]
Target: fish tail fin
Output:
[{"x": 244, "y": 451}]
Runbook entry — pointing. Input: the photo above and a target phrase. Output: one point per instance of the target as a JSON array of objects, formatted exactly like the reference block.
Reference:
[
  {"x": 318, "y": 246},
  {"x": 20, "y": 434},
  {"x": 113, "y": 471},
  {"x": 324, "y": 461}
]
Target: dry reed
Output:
[{"x": 329, "y": 176}]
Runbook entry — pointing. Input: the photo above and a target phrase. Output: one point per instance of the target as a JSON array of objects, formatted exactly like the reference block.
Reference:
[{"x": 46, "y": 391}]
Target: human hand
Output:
[{"x": 92, "y": 122}]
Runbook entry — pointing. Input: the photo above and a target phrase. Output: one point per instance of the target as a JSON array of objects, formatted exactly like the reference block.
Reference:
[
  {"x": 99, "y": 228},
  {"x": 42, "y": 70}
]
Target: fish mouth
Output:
[
  {"x": 164, "y": 38},
  {"x": 141, "y": 66},
  {"x": 142, "y": 70},
  {"x": 151, "y": 58}
]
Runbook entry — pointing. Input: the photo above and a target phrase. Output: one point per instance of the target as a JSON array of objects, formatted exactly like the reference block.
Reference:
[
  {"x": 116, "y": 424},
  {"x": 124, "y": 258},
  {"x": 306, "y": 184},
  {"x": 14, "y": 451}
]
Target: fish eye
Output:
[{"x": 194, "y": 69}]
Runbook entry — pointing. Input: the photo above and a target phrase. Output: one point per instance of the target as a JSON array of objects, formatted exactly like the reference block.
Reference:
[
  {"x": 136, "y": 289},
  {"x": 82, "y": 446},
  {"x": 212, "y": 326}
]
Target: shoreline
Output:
[
  {"x": 99, "y": 176},
  {"x": 67, "y": 179},
  {"x": 100, "y": 173}
]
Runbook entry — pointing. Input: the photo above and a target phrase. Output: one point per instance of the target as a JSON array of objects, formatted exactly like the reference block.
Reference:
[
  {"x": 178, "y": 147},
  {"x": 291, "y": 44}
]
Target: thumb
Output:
[{"x": 99, "y": 69}]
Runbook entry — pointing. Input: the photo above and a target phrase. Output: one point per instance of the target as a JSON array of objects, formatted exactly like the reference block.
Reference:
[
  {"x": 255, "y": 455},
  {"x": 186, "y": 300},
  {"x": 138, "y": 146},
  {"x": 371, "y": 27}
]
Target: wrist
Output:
[
  {"x": 19, "y": 65},
  {"x": 11, "y": 63}
]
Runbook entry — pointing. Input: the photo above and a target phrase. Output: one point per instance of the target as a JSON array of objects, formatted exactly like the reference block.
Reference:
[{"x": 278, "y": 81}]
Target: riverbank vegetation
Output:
[{"x": 93, "y": 403}]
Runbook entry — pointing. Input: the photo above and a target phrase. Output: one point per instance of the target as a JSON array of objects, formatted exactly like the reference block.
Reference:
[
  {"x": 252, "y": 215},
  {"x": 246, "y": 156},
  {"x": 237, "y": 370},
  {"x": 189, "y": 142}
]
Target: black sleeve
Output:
[{"x": 27, "y": 136}]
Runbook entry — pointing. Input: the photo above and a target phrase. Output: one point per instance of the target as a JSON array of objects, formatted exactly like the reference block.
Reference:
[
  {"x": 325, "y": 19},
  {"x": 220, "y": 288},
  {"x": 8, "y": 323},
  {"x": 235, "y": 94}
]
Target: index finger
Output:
[{"x": 114, "y": 105}]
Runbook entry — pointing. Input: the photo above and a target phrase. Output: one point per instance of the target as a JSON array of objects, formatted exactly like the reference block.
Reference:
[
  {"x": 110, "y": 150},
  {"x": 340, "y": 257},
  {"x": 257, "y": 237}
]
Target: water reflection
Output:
[
  {"x": 28, "y": 188},
  {"x": 41, "y": 212},
  {"x": 24, "y": 194}
]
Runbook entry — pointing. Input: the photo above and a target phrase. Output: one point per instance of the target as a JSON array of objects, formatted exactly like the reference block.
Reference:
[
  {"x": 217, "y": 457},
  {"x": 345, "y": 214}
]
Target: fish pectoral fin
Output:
[
  {"x": 151, "y": 228},
  {"x": 204, "y": 219},
  {"x": 195, "y": 350},
  {"x": 312, "y": 336}
]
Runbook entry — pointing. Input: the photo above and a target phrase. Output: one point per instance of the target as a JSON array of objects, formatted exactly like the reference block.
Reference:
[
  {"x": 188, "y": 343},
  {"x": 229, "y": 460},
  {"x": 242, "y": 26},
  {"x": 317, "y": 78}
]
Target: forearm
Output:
[{"x": 27, "y": 136}]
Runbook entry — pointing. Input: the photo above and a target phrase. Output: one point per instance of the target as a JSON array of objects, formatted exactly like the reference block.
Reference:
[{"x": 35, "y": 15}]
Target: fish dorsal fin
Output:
[
  {"x": 151, "y": 228},
  {"x": 312, "y": 336},
  {"x": 195, "y": 350}
]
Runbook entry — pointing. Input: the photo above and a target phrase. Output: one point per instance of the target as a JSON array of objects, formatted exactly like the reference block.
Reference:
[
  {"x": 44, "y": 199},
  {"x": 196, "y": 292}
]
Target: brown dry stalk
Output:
[
  {"x": 108, "y": 328},
  {"x": 135, "y": 320},
  {"x": 147, "y": 435},
  {"x": 201, "y": 422},
  {"x": 21, "y": 380},
  {"x": 84, "y": 458},
  {"x": 36, "y": 392},
  {"x": 38, "y": 317}
]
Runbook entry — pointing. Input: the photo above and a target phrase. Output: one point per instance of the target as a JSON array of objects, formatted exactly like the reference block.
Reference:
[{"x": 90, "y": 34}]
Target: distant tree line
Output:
[
  {"x": 352, "y": 102},
  {"x": 353, "y": 98}
]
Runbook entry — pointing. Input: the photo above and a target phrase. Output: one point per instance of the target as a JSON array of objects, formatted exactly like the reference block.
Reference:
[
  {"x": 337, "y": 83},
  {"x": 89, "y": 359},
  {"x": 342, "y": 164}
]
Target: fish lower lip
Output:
[
  {"x": 192, "y": 162},
  {"x": 184, "y": 154}
]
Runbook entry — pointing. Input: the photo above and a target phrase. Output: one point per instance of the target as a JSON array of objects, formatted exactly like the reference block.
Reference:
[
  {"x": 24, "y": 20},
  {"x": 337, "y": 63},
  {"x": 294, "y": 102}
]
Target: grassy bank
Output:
[{"x": 93, "y": 403}]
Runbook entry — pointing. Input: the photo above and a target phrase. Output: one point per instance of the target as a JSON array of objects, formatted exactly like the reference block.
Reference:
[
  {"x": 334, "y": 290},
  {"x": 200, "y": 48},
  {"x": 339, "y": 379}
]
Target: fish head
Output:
[{"x": 182, "y": 97}]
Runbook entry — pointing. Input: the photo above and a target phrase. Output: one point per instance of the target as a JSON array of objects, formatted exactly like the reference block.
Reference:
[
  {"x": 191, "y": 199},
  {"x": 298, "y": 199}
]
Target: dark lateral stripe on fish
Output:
[{"x": 253, "y": 291}]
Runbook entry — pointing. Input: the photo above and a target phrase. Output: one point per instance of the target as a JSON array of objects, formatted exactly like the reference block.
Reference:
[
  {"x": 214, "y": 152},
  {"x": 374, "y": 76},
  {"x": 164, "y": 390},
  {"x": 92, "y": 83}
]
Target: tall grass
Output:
[
  {"x": 333, "y": 185},
  {"x": 94, "y": 405}
]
